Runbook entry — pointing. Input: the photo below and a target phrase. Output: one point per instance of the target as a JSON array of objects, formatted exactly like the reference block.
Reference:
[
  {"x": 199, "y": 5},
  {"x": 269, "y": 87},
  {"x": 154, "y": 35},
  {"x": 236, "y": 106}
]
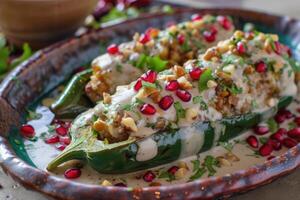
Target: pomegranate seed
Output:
[
  {"x": 149, "y": 176},
  {"x": 213, "y": 30},
  {"x": 52, "y": 140},
  {"x": 261, "y": 67},
  {"x": 298, "y": 110},
  {"x": 150, "y": 76},
  {"x": 270, "y": 157},
  {"x": 196, "y": 17},
  {"x": 294, "y": 133},
  {"x": 172, "y": 85},
  {"x": 166, "y": 102},
  {"x": 113, "y": 49},
  {"x": 148, "y": 109},
  {"x": 144, "y": 38},
  {"x": 286, "y": 113},
  {"x": 72, "y": 173},
  {"x": 279, "y": 118},
  {"x": 241, "y": 48},
  {"x": 61, "y": 147},
  {"x": 209, "y": 36},
  {"x": 196, "y": 73},
  {"x": 289, "y": 142},
  {"x": 173, "y": 170},
  {"x": 224, "y": 21},
  {"x": 120, "y": 184},
  {"x": 297, "y": 121},
  {"x": 276, "y": 145},
  {"x": 279, "y": 135},
  {"x": 65, "y": 140},
  {"x": 184, "y": 95},
  {"x": 181, "y": 39},
  {"x": 265, "y": 150},
  {"x": 261, "y": 130},
  {"x": 252, "y": 141},
  {"x": 27, "y": 131},
  {"x": 277, "y": 48},
  {"x": 67, "y": 125},
  {"x": 138, "y": 85},
  {"x": 62, "y": 131}
]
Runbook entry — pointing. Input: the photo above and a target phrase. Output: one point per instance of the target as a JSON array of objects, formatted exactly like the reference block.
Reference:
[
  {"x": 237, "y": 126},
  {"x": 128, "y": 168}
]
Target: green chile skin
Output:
[
  {"x": 72, "y": 101},
  {"x": 123, "y": 159}
]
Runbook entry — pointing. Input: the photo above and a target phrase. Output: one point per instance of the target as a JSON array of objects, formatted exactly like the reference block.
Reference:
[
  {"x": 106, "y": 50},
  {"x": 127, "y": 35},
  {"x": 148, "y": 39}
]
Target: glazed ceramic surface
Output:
[{"x": 50, "y": 67}]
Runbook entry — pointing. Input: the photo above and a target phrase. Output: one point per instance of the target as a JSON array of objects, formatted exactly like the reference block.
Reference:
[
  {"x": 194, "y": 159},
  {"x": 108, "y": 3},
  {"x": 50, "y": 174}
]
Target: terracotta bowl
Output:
[
  {"x": 42, "y": 22},
  {"x": 48, "y": 67}
]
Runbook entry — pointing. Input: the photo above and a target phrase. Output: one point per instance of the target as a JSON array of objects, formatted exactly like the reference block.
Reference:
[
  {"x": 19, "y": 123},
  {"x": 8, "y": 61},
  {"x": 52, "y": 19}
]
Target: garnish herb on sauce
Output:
[
  {"x": 166, "y": 175},
  {"x": 199, "y": 100},
  {"x": 180, "y": 111},
  {"x": 204, "y": 78},
  {"x": 272, "y": 124},
  {"x": 32, "y": 115},
  {"x": 152, "y": 62}
]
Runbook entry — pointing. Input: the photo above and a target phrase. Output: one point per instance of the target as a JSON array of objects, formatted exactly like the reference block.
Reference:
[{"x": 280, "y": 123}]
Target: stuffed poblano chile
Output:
[
  {"x": 187, "y": 109},
  {"x": 155, "y": 49}
]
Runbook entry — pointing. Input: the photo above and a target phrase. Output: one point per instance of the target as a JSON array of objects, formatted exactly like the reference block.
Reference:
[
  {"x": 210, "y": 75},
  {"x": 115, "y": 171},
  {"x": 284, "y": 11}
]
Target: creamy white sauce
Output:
[
  {"x": 192, "y": 141},
  {"x": 147, "y": 149}
]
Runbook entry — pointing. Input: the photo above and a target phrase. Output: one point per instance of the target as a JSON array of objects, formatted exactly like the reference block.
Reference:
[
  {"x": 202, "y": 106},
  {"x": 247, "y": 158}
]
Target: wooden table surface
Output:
[{"x": 285, "y": 188}]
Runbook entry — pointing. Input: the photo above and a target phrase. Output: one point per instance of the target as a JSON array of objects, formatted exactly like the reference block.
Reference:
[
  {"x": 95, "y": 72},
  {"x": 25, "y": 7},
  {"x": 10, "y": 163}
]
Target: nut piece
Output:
[
  {"x": 191, "y": 114},
  {"x": 231, "y": 157},
  {"x": 211, "y": 84},
  {"x": 223, "y": 161},
  {"x": 106, "y": 98},
  {"x": 179, "y": 71},
  {"x": 184, "y": 83},
  {"x": 129, "y": 123},
  {"x": 106, "y": 183},
  {"x": 182, "y": 164},
  {"x": 100, "y": 126},
  {"x": 180, "y": 173}
]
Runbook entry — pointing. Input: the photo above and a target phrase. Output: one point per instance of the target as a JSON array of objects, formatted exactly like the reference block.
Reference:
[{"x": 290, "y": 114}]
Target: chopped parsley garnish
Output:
[
  {"x": 235, "y": 90},
  {"x": 148, "y": 85},
  {"x": 227, "y": 145},
  {"x": 199, "y": 100},
  {"x": 263, "y": 140},
  {"x": 131, "y": 107},
  {"x": 152, "y": 62},
  {"x": 205, "y": 77},
  {"x": 119, "y": 68},
  {"x": 272, "y": 124},
  {"x": 31, "y": 115},
  {"x": 232, "y": 59},
  {"x": 210, "y": 163},
  {"x": 180, "y": 111},
  {"x": 166, "y": 175}
]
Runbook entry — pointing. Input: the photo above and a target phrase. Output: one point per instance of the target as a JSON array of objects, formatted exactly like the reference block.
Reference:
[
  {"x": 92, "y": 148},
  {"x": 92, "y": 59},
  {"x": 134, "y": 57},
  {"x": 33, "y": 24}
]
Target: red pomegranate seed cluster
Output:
[
  {"x": 282, "y": 137},
  {"x": 166, "y": 102},
  {"x": 150, "y": 76},
  {"x": 241, "y": 48},
  {"x": 196, "y": 73},
  {"x": 172, "y": 85},
  {"x": 148, "y": 109},
  {"x": 173, "y": 170},
  {"x": 184, "y": 95},
  {"x": 145, "y": 38},
  {"x": 61, "y": 138},
  {"x": 209, "y": 36},
  {"x": 181, "y": 39}
]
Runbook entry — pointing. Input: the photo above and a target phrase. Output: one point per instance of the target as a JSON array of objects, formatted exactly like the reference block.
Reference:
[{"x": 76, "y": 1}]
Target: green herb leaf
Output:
[
  {"x": 31, "y": 115},
  {"x": 141, "y": 62},
  {"x": 113, "y": 14},
  {"x": 198, "y": 174},
  {"x": 196, "y": 165},
  {"x": 4, "y": 57},
  {"x": 148, "y": 85},
  {"x": 27, "y": 52},
  {"x": 204, "y": 78},
  {"x": 227, "y": 145},
  {"x": 295, "y": 64},
  {"x": 168, "y": 9},
  {"x": 199, "y": 100},
  {"x": 235, "y": 90},
  {"x": 2, "y": 41},
  {"x": 166, "y": 175},
  {"x": 263, "y": 140},
  {"x": 273, "y": 126},
  {"x": 156, "y": 64},
  {"x": 180, "y": 111},
  {"x": 210, "y": 162}
]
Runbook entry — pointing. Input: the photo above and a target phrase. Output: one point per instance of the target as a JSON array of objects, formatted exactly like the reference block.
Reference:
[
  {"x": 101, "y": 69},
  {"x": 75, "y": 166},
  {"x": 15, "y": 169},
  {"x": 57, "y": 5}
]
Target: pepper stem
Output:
[{"x": 68, "y": 155}]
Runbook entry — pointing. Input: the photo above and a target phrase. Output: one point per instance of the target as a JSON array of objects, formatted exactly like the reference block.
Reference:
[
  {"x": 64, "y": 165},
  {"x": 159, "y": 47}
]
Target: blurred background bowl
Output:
[{"x": 42, "y": 22}]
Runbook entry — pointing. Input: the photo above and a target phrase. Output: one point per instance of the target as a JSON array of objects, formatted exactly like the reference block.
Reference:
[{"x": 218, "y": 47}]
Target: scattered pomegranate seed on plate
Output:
[
  {"x": 62, "y": 131},
  {"x": 173, "y": 170},
  {"x": 149, "y": 176},
  {"x": 27, "y": 131},
  {"x": 261, "y": 130},
  {"x": 52, "y": 140},
  {"x": 72, "y": 173},
  {"x": 252, "y": 141},
  {"x": 265, "y": 150}
]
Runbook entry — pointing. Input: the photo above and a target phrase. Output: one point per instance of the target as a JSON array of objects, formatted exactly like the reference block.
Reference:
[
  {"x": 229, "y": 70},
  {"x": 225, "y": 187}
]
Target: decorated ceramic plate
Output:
[{"x": 193, "y": 104}]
